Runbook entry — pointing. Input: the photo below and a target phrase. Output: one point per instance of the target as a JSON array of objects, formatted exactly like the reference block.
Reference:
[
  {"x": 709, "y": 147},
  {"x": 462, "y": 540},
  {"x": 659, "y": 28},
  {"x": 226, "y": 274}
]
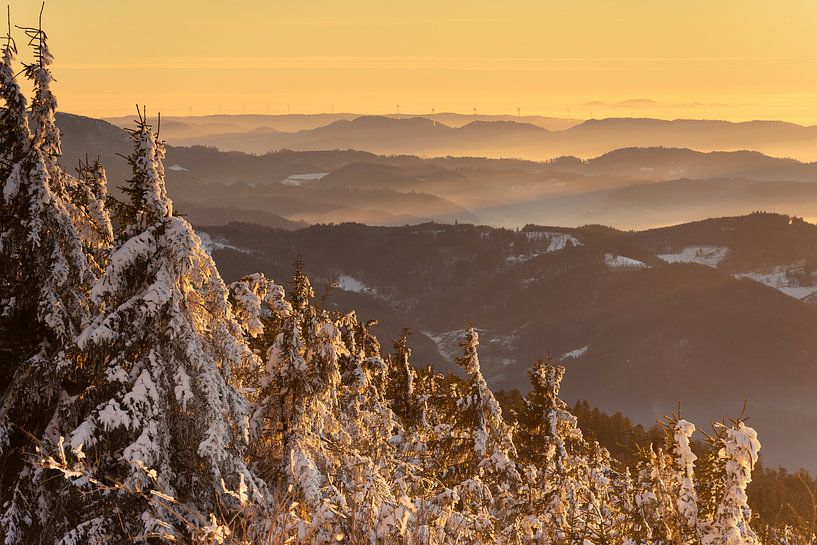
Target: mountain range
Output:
[
  {"x": 704, "y": 311},
  {"x": 714, "y": 313},
  {"x": 180, "y": 127},
  {"x": 508, "y": 138},
  {"x": 633, "y": 188}
]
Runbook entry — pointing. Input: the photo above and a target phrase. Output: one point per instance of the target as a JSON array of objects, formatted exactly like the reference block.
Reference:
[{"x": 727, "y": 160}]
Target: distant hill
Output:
[
  {"x": 707, "y": 312},
  {"x": 630, "y": 187},
  {"x": 424, "y": 135},
  {"x": 197, "y": 126},
  {"x": 222, "y": 187},
  {"x": 671, "y": 312}
]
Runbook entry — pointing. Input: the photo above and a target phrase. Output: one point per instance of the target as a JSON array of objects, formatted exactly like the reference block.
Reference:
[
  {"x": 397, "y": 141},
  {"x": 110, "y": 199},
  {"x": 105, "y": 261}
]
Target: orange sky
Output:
[{"x": 730, "y": 59}]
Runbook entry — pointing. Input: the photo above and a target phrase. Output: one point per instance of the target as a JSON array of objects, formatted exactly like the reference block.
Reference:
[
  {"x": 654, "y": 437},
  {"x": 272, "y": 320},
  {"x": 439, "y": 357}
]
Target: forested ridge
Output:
[{"x": 145, "y": 400}]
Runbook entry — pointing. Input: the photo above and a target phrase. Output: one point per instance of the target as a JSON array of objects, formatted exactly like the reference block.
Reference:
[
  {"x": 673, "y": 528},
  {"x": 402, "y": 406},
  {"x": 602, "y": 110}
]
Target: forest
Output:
[{"x": 146, "y": 400}]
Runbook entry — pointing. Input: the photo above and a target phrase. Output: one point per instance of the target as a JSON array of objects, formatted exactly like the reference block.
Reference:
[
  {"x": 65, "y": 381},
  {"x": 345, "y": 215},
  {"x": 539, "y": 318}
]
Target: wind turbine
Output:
[
  {"x": 518, "y": 114},
  {"x": 398, "y": 112},
  {"x": 433, "y": 119},
  {"x": 475, "y": 113}
]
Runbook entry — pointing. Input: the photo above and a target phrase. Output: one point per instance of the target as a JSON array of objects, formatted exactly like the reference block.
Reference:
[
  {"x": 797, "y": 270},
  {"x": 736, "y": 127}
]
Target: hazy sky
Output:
[{"x": 732, "y": 59}]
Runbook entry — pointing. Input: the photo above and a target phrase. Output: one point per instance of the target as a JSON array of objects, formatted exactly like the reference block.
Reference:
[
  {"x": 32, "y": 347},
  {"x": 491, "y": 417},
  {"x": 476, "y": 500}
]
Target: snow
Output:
[
  {"x": 779, "y": 280},
  {"x": 446, "y": 342},
  {"x": 556, "y": 242},
  {"x": 621, "y": 262},
  {"x": 173, "y": 345},
  {"x": 353, "y": 285},
  {"x": 687, "y": 500},
  {"x": 710, "y": 256},
  {"x": 739, "y": 450},
  {"x": 575, "y": 354},
  {"x": 299, "y": 179},
  {"x": 177, "y": 168},
  {"x": 520, "y": 258},
  {"x": 211, "y": 243}
]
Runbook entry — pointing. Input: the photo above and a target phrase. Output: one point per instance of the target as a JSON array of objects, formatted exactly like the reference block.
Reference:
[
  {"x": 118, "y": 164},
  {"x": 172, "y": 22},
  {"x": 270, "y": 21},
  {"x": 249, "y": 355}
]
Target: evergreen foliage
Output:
[{"x": 148, "y": 401}]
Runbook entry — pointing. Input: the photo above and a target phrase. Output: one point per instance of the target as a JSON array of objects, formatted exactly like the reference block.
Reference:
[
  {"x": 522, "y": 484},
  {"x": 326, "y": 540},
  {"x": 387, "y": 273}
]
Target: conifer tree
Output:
[
  {"x": 686, "y": 496},
  {"x": 548, "y": 433},
  {"x": 15, "y": 134},
  {"x": 479, "y": 462},
  {"x": 46, "y": 275},
  {"x": 381, "y": 486},
  {"x": 492, "y": 438},
  {"x": 44, "y": 103},
  {"x": 401, "y": 380},
  {"x": 89, "y": 193},
  {"x": 298, "y": 404},
  {"x": 737, "y": 449},
  {"x": 150, "y": 402},
  {"x": 160, "y": 429}
]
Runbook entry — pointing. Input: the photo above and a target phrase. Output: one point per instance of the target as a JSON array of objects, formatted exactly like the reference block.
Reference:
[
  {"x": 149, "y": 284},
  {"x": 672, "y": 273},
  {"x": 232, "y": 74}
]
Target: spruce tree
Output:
[
  {"x": 89, "y": 192},
  {"x": 156, "y": 439},
  {"x": 298, "y": 406},
  {"x": 686, "y": 495},
  {"x": 15, "y": 134},
  {"x": 736, "y": 452},
  {"x": 46, "y": 276},
  {"x": 401, "y": 381}
]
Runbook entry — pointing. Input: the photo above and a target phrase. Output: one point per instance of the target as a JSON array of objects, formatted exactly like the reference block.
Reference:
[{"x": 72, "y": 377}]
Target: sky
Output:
[{"x": 726, "y": 59}]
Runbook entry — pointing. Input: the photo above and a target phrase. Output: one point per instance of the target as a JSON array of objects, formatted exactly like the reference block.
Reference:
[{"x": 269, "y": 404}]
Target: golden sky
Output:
[{"x": 730, "y": 59}]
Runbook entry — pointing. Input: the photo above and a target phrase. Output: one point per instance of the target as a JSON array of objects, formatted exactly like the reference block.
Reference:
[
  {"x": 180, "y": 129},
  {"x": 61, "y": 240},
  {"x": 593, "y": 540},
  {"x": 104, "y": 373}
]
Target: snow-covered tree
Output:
[
  {"x": 401, "y": 381},
  {"x": 547, "y": 432},
  {"x": 15, "y": 134},
  {"x": 492, "y": 437},
  {"x": 475, "y": 451},
  {"x": 46, "y": 276},
  {"x": 737, "y": 451},
  {"x": 155, "y": 440},
  {"x": 686, "y": 497},
  {"x": 148, "y": 401},
  {"x": 44, "y": 103},
  {"x": 89, "y": 193}
]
